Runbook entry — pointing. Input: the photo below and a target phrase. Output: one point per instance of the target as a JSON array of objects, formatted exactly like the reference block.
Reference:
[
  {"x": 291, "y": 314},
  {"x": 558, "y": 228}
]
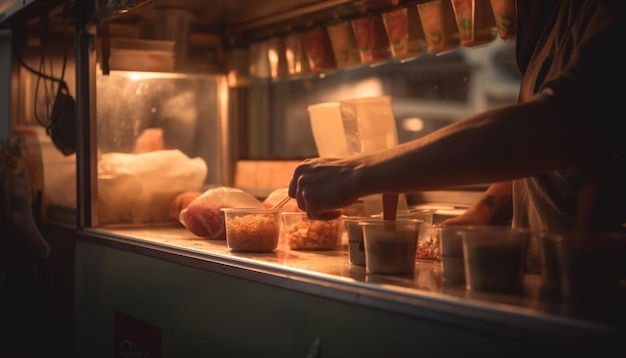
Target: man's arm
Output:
[{"x": 495, "y": 207}]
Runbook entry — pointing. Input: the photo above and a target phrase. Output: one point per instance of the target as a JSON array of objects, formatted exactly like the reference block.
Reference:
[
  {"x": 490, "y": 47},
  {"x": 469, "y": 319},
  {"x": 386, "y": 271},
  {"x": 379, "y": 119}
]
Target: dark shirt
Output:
[
  {"x": 531, "y": 19},
  {"x": 570, "y": 54}
]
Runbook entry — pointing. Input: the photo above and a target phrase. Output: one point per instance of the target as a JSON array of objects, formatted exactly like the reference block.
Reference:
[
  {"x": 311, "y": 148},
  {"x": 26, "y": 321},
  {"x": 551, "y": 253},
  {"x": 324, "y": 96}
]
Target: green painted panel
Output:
[{"x": 207, "y": 314}]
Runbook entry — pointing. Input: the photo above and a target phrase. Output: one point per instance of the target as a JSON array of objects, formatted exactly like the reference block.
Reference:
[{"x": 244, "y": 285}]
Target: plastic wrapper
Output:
[
  {"x": 139, "y": 188},
  {"x": 204, "y": 218}
]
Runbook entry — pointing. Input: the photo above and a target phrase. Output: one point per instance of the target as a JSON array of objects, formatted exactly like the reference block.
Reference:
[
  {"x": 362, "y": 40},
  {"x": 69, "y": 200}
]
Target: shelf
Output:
[{"x": 21, "y": 11}]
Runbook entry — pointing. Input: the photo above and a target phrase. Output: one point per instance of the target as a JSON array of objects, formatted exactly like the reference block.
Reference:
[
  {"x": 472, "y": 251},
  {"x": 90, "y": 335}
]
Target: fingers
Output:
[
  {"x": 307, "y": 186},
  {"x": 301, "y": 193},
  {"x": 293, "y": 184},
  {"x": 297, "y": 186},
  {"x": 325, "y": 214},
  {"x": 310, "y": 206}
]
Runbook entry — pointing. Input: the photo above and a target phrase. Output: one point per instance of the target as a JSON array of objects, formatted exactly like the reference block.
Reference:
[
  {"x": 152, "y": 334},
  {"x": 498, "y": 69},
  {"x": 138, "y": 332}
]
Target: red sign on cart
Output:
[{"x": 136, "y": 338}]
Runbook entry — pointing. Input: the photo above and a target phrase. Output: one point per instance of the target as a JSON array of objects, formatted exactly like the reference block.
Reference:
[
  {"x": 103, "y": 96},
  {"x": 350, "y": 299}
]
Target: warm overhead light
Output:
[{"x": 413, "y": 124}]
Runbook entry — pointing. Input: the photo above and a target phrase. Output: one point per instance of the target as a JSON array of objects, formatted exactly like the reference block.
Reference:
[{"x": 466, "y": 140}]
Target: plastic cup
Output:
[
  {"x": 464, "y": 15},
  {"x": 582, "y": 267},
  {"x": 318, "y": 49},
  {"x": 494, "y": 258},
  {"x": 390, "y": 245},
  {"x": 451, "y": 248},
  {"x": 369, "y": 124},
  {"x": 302, "y": 233},
  {"x": 427, "y": 242},
  {"x": 505, "y": 15},
  {"x": 371, "y": 40},
  {"x": 344, "y": 44},
  {"x": 328, "y": 130},
  {"x": 425, "y": 215},
  {"x": 354, "y": 233},
  {"x": 353, "y": 126},
  {"x": 439, "y": 25},
  {"x": 251, "y": 229},
  {"x": 404, "y": 32},
  {"x": 297, "y": 63}
]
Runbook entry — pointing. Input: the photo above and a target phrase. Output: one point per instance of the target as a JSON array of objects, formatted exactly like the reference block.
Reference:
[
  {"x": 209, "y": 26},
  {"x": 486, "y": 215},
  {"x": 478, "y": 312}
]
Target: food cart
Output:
[{"x": 157, "y": 86}]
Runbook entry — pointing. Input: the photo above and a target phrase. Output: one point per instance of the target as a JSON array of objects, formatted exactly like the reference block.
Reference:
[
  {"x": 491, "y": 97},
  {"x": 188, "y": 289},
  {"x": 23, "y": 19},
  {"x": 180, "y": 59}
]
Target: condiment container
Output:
[
  {"x": 494, "y": 258},
  {"x": 451, "y": 248},
  {"x": 301, "y": 233},
  {"x": 427, "y": 242},
  {"x": 390, "y": 245},
  {"x": 252, "y": 229},
  {"x": 354, "y": 233},
  {"x": 582, "y": 267}
]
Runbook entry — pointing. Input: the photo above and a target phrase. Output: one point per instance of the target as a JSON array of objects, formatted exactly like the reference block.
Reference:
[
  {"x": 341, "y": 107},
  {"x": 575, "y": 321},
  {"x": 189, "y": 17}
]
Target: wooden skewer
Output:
[{"x": 281, "y": 203}]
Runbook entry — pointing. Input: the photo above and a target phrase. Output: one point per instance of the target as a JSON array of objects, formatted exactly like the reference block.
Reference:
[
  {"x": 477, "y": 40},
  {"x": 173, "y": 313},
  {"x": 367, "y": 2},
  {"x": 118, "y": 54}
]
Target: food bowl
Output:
[
  {"x": 301, "y": 233},
  {"x": 251, "y": 229}
]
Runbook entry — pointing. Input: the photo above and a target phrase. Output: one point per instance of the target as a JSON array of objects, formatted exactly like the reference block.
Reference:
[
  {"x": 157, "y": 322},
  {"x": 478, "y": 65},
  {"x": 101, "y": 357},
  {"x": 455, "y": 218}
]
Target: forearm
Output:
[
  {"x": 495, "y": 205},
  {"x": 493, "y": 208},
  {"x": 487, "y": 148}
]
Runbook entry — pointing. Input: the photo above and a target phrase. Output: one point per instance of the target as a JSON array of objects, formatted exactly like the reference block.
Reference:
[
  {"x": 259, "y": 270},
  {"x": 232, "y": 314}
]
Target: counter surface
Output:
[{"x": 423, "y": 294}]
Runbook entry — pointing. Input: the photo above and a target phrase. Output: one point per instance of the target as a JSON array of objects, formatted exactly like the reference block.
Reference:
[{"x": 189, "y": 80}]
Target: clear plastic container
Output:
[
  {"x": 301, "y": 233},
  {"x": 390, "y": 245},
  {"x": 427, "y": 242},
  {"x": 251, "y": 229},
  {"x": 494, "y": 258},
  {"x": 354, "y": 233}
]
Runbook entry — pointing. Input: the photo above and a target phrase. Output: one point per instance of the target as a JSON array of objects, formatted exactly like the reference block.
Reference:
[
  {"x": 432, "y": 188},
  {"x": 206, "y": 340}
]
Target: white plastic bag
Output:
[
  {"x": 136, "y": 188},
  {"x": 203, "y": 216}
]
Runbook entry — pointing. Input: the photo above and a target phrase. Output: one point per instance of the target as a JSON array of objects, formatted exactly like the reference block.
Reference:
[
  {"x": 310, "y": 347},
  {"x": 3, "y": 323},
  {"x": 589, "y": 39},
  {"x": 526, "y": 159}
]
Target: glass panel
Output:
[
  {"x": 157, "y": 137},
  {"x": 427, "y": 93}
]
